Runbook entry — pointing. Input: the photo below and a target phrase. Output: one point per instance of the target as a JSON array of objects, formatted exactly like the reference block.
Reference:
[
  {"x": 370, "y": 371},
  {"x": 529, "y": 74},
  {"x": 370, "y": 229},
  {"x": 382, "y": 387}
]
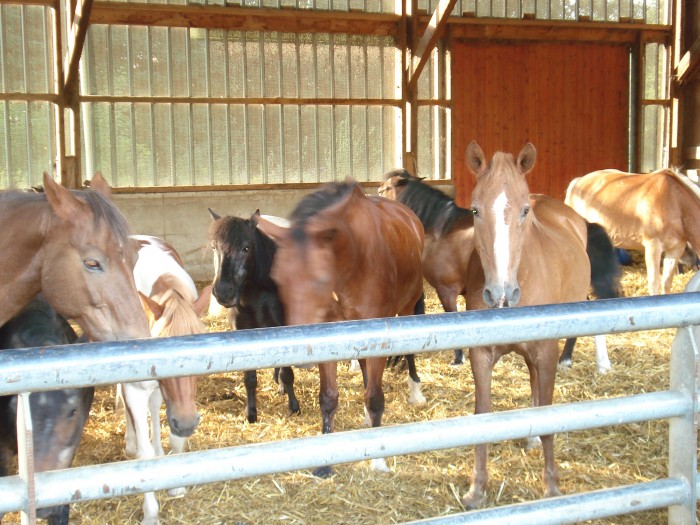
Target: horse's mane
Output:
[
  {"x": 683, "y": 179},
  {"x": 178, "y": 317},
  {"x": 312, "y": 204},
  {"x": 103, "y": 210},
  {"x": 434, "y": 208}
]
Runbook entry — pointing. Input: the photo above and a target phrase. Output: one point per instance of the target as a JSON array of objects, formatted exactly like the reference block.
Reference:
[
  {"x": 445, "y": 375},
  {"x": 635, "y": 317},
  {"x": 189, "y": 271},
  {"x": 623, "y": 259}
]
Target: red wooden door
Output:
[{"x": 569, "y": 99}]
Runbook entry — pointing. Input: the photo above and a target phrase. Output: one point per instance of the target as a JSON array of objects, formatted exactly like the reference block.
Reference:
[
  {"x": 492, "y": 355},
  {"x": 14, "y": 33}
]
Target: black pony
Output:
[
  {"x": 448, "y": 236},
  {"x": 242, "y": 260},
  {"x": 58, "y": 416}
]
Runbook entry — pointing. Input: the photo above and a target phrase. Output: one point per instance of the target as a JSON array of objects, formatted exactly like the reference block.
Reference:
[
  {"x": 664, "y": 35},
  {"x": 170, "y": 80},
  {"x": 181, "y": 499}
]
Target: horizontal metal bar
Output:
[
  {"x": 576, "y": 508},
  {"x": 194, "y": 468},
  {"x": 137, "y": 360}
]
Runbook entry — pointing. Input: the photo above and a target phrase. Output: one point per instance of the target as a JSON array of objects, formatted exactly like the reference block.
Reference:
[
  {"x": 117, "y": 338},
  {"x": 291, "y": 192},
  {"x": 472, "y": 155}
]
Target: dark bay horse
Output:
[
  {"x": 656, "y": 212},
  {"x": 74, "y": 248},
  {"x": 530, "y": 250},
  {"x": 58, "y": 416},
  {"x": 242, "y": 262},
  {"x": 449, "y": 243},
  {"x": 449, "y": 236},
  {"x": 348, "y": 256},
  {"x": 174, "y": 308}
]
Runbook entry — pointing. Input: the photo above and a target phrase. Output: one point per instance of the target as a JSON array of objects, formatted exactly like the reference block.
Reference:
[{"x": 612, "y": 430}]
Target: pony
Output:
[
  {"x": 656, "y": 212},
  {"x": 529, "y": 250},
  {"x": 58, "y": 416},
  {"x": 242, "y": 261},
  {"x": 174, "y": 308},
  {"x": 74, "y": 247},
  {"x": 449, "y": 244},
  {"x": 347, "y": 255}
]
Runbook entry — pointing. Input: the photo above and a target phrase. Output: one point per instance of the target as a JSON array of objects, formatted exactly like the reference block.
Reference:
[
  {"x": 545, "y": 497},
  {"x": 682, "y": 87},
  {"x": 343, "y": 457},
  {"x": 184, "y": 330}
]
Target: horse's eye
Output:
[
  {"x": 475, "y": 212},
  {"x": 246, "y": 249},
  {"x": 526, "y": 210},
  {"x": 92, "y": 265}
]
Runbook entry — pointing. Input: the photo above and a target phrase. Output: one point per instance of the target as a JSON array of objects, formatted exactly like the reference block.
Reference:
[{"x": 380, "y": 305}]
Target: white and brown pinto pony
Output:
[
  {"x": 348, "y": 256},
  {"x": 174, "y": 308},
  {"x": 656, "y": 212},
  {"x": 529, "y": 250}
]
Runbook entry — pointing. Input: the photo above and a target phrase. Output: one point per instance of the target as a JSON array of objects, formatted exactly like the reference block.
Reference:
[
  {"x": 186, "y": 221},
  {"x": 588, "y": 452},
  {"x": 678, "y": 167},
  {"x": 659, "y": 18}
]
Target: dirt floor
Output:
[{"x": 421, "y": 485}]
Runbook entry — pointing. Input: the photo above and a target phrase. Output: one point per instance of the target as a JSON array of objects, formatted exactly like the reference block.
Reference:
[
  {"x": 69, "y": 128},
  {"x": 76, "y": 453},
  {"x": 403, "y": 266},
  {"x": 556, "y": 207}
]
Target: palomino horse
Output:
[
  {"x": 530, "y": 249},
  {"x": 656, "y": 212},
  {"x": 58, "y": 416},
  {"x": 74, "y": 247},
  {"x": 449, "y": 236},
  {"x": 174, "y": 308},
  {"x": 449, "y": 243},
  {"x": 242, "y": 261},
  {"x": 347, "y": 255}
]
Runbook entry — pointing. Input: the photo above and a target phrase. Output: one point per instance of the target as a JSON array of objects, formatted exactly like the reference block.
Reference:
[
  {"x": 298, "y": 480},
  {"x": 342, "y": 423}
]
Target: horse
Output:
[
  {"x": 449, "y": 236},
  {"x": 74, "y": 247},
  {"x": 58, "y": 416},
  {"x": 529, "y": 250},
  {"x": 173, "y": 307},
  {"x": 242, "y": 261},
  {"x": 449, "y": 244},
  {"x": 656, "y": 212},
  {"x": 347, "y": 255}
]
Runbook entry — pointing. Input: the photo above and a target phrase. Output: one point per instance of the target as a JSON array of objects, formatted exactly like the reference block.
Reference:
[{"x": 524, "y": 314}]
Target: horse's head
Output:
[
  {"x": 88, "y": 260},
  {"x": 501, "y": 208},
  {"x": 394, "y": 183},
  {"x": 232, "y": 242},
  {"x": 304, "y": 266}
]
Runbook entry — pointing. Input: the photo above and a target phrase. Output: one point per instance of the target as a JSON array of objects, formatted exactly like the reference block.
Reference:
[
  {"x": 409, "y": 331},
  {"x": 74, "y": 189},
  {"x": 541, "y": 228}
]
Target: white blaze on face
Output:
[{"x": 501, "y": 248}]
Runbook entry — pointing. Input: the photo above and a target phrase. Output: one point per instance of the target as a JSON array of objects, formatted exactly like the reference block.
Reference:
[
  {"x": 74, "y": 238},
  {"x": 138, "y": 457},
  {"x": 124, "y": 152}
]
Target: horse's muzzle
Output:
[{"x": 501, "y": 296}]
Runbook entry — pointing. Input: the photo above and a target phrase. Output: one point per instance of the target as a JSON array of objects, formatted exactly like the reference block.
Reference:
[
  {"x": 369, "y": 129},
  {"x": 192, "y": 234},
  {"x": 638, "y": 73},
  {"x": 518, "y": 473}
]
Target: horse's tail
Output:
[{"x": 605, "y": 265}]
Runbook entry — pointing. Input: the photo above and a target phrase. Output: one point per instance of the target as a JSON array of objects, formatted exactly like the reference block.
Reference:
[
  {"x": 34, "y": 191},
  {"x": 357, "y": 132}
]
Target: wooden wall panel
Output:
[{"x": 569, "y": 99}]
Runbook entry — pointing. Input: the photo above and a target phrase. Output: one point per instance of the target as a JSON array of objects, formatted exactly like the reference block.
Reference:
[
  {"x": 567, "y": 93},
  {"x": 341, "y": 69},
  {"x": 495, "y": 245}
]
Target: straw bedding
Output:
[{"x": 420, "y": 485}]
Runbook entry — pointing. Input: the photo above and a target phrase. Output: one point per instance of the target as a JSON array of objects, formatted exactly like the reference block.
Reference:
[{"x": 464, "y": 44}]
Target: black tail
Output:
[{"x": 605, "y": 275}]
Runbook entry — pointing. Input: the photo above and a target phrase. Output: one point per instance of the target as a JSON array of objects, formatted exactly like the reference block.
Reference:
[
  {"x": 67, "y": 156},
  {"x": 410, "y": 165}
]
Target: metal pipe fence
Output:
[{"x": 107, "y": 363}]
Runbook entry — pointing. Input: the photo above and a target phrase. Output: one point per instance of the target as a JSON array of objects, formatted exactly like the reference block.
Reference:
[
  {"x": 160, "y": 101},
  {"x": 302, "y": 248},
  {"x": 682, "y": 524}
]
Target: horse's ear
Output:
[
  {"x": 526, "y": 158},
  {"x": 202, "y": 302},
  {"x": 99, "y": 184},
  {"x": 62, "y": 201},
  {"x": 274, "y": 231},
  {"x": 255, "y": 217},
  {"x": 475, "y": 159},
  {"x": 213, "y": 214},
  {"x": 154, "y": 311}
]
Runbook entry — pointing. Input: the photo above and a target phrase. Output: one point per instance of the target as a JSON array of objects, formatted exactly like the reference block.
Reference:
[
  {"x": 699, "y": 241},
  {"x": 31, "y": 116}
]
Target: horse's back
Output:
[{"x": 156, "y": 260}]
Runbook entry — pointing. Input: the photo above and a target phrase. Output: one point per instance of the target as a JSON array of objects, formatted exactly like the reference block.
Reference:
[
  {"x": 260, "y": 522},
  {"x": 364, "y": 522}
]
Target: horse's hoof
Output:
[
  {"x": 533, "y": 443},
  {"x": 456, "y": 363},
  {"x": 379, "y": 465},
  {"x": 177, "y": 492},
  {"x": 150, "y": 521},
  {"x": 252, "y": 417},
  {"x": 564, "y": 365},
  {"x": 474, "y": 500},
  {"x": 294, "y": 408},
  {"x": 323, "y": 472}
]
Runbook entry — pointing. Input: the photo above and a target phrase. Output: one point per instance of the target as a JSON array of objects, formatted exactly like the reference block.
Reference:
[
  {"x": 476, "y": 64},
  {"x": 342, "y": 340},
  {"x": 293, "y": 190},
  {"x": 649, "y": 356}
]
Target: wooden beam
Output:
[
  {"x": 45, "y": 3},
  {"x": 283, "y": 101},
  {"x": 29, "y": 97},
  {"x": 244, "y": 19},
  {"x": 553, "y": 30},
  {"x": 435, "y": 29},
  {"x": 688, "y": 64},
  {"x": 76, "y": 39},
  {"x": 692, "y": 153}
]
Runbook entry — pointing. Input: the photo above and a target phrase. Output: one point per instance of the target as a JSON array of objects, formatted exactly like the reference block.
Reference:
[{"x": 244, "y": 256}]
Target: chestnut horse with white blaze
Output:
[
  {"x": 530, "y": 250},
  {"x": 656, "y": 212},
  {"x": 347, "y": 255}
]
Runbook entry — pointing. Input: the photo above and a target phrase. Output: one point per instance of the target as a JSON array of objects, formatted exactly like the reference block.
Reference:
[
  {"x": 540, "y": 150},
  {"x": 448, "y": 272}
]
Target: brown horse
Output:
[
  {"x": 449, "y": 236},
  {"x": 347, "y": 255},
  {"x": 656, "y": 212},
  {"x": 530, "y": 250},
  {"x": 74, "y": 247}
]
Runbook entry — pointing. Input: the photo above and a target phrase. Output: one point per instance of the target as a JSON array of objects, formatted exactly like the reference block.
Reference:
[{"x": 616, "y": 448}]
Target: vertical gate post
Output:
[
  {"x": 25, "y": 456},
  {"x": 683, "y": 431}
]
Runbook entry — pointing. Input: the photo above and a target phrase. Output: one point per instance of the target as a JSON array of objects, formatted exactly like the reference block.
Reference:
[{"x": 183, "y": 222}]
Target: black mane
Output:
[
  {"x": 435, "y": 209},
  {"x": 317, "y": 201}
]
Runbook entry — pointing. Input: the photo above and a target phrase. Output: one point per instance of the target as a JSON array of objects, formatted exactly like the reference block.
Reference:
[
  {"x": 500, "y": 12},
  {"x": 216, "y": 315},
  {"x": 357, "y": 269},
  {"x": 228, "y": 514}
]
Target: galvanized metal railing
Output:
[{"x": 107, "y": 363}]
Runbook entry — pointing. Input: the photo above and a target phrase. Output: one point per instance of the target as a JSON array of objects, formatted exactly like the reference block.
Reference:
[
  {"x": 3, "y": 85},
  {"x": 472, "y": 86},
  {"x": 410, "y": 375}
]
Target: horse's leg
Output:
[
  {"x": 374, "y": 401},
  {"x": 542, "y": 394},
  {"x": 177, "y": 446},
  {"x": 448, "y": 299},
  {"x": 287, "y": 380},
  {"x": 602, "y": 360},
  {"x": 59, "y": 516},
  {"x": 670, "y": 266},
  {"x": 415, "y": 396},
  {"x": 137, "y": 407},
  {"x": 155, "y": 401},
  {"x": 652, "y": 258},
  {"x": 250, "y": 379},
  {"x": 482, "y": 360},
  {"x": 328, "y": 400},
  {"x": 567, "y": 353}
]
